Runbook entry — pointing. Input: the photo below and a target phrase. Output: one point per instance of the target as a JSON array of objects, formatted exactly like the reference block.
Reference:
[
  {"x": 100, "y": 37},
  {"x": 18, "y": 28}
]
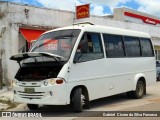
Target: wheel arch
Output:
[
  {"x": 140, "y": 77},
  {"x": 84, "y": 91}
]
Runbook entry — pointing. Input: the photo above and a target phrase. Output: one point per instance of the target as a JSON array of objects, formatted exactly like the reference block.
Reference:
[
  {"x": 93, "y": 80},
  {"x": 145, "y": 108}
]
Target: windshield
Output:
[{"x": 57, "y": 42}]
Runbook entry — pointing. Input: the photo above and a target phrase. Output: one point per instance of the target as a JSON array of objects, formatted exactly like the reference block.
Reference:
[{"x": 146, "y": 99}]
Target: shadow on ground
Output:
[{"x": 67, "y": 111}]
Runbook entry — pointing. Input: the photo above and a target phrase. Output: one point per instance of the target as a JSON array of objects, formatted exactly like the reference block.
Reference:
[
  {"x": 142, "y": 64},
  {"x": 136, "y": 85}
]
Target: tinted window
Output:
[
  {"x": 132, "y": 46},
  {"x": 90, "y": 48},
  {"x": 146, "y": 46},
  {"x": 114, "y": 46}
]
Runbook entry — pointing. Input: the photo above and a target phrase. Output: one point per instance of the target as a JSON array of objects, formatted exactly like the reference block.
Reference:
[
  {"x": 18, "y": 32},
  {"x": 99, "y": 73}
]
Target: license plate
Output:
[{"x": 29, "y": 90}]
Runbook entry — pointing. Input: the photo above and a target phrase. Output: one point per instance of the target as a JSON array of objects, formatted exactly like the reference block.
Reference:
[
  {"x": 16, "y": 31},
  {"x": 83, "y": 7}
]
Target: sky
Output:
[{"x": 97, "y": 7}]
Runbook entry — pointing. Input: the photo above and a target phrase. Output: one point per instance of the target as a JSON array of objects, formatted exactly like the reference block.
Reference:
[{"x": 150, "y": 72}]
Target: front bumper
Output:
[{"x": 46, "y": 95}]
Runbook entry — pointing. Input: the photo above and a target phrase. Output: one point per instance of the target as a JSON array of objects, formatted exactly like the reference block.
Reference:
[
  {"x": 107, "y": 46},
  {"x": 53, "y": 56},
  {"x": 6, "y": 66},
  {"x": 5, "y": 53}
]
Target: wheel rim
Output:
[
  {"x": 82, "y": 99},
  {"x": 140, "y": 89}
]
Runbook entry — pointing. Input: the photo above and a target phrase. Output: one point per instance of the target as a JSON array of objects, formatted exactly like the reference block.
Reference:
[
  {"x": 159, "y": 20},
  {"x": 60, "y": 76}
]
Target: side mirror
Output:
[{"x": 75, "y": 61}]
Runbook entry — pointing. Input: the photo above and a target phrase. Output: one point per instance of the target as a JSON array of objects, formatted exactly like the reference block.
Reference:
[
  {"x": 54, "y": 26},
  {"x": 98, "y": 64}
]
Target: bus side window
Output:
[
  {"x": 114, "y": 46},
  {"x": 147, "y": 50},
  {"x": 89, "y": 48},
  {"x": 132, "y": 46}
]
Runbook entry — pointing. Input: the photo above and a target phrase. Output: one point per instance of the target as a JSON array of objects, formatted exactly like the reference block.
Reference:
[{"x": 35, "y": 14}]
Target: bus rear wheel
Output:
[
  {"x": 32, "y": 106},
  {"x": 139, "y": 92}
]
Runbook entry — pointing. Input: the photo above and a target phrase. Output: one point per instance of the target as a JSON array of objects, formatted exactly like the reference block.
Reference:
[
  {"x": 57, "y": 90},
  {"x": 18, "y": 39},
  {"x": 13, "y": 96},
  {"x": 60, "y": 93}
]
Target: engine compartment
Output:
[{"x": 38, "y": 72}]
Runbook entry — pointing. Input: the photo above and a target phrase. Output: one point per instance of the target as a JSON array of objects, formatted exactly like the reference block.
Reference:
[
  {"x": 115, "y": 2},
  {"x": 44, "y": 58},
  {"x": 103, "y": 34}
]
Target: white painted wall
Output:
[
  {"x": 39, "y": 16},
  {"x": 15, "y": 16}
]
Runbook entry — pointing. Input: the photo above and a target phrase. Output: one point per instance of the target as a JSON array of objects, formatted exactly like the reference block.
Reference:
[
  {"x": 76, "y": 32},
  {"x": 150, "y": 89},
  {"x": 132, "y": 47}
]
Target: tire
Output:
[
  {"x": 139, "y": 92},
  {"x": 78, "y": 100},
  {"x": 32, "y": 106},
  {"x": 87, "y": 103}
]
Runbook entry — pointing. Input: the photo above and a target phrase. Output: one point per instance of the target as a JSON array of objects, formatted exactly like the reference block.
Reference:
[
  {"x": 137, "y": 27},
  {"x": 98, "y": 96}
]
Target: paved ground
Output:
[{"x": 150, "y": 102}]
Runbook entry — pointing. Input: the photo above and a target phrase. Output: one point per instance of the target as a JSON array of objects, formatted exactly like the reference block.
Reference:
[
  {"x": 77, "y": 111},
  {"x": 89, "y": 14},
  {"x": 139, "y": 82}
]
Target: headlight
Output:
[{"x": 52, "y": 81}]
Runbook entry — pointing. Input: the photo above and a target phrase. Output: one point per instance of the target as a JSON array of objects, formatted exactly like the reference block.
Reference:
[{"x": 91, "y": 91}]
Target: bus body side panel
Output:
[
  {"x": 89, "y": 74},
  {"x": 110, "y": 76},
  {"x": 149, "y": 71},
  {"x": 99, "y": 77}
]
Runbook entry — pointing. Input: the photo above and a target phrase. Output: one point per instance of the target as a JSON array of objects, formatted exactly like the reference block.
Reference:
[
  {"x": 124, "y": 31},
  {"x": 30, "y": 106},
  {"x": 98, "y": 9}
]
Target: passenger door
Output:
[{"x": 88, "y": 67}]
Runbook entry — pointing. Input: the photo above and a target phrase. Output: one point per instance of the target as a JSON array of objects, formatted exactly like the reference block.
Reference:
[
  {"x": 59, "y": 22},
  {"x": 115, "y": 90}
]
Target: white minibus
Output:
[{"x": 77, "y": 64}]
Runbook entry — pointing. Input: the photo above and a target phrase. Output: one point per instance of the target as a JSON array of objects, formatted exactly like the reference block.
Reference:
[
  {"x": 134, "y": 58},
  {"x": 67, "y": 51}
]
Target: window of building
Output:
[
  {"x": 90, "y": 48},
  {"x": 114, "y": 46},
  {"x": 132, "y": 46},
  {"x": 147, "y": 50}
]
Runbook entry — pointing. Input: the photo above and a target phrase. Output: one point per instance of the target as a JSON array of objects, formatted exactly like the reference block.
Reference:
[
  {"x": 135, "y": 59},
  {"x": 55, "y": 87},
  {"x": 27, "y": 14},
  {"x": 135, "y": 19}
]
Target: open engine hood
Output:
[{"x": 21, "y": 56}]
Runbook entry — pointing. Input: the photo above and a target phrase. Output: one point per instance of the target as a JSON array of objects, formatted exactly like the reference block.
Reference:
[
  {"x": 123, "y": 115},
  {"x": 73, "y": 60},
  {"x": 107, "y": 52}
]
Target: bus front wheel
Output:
[{"x": 78, "y": 100}]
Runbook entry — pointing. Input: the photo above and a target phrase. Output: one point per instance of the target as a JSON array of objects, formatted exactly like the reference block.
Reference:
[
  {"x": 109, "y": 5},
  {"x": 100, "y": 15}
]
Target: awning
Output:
[{"x": 30, "y": 34}]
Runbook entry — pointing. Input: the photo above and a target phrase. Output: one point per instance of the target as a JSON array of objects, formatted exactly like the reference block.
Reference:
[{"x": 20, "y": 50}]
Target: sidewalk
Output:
[
  {"x": 8, "y": 94},
  {"x": 6, "y": 101}
]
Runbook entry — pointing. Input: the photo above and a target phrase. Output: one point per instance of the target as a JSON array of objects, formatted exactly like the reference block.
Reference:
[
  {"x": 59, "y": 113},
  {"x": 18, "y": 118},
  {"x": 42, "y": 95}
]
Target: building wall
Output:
[
  {"x": 119, "y": 13},
  {"x": 3, "y": 38},
  {"x": 151, "y": 29},
  {"x": 17, "y": 16},
  {"x": 39, "y": 16}
]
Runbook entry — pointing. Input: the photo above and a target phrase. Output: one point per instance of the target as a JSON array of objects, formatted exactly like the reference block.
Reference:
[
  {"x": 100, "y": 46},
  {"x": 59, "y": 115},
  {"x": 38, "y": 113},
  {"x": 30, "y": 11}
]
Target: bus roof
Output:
[{"x": 105, "y": 29}]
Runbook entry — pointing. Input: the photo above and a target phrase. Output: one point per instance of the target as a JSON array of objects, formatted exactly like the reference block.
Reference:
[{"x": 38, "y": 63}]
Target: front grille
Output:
[
  {"x": 31, "y": 93},
  {"x": 30, "y": 86},
  {"x": 31, "y": 97},
  {"x": 34, "y": 95}
]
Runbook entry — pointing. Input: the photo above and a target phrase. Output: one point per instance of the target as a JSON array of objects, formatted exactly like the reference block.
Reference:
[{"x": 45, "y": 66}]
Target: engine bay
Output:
[{"x": 37, "y": 72}]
